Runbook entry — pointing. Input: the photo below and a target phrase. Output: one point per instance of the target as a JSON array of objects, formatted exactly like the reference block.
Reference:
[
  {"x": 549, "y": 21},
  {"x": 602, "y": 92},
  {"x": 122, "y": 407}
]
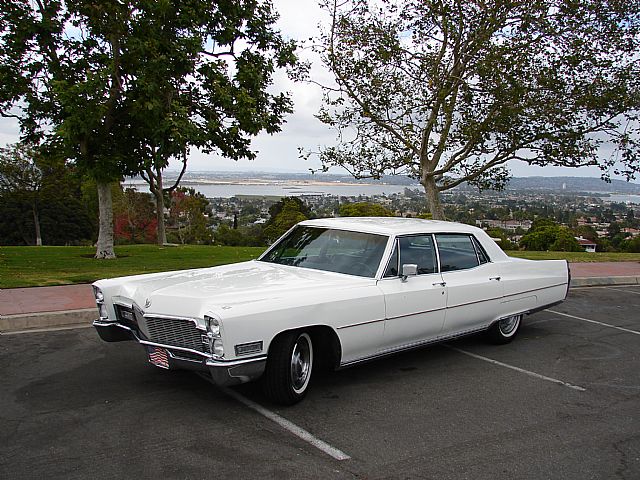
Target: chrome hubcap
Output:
[
  {"x": 508, "y": 325},
  {"x": 301, "y": 361}
]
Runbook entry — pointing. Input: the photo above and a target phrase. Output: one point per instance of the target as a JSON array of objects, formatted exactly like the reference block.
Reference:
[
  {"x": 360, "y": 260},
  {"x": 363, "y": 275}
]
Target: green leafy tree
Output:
[
  {"x": 21, "y": 177},
  {"x": 545, "y": 234},
  {"x": 61, "y": 76},
  {"x": 632, "y": 245},
  {"x": 501, "y": 239},
  {"x": 203, "y": 79},
  {"x": 565, "y": 242},
  {"x": 244, "y": 236},
  {"x": 284, "y": 215},
  {"x": 613, "y": 229},
  {"x": 123, "y": 87},
  {"x": 364, "y": 209},
  {"x": 65, "y": 217},
  {"x": 586, "y": 231},
  {"x": 188, "y": 214},
  {"x": 276, "y": 208},
  {"x": 225, "y": 235},
  {"x": 450, "y": 91},
  {"x": 62, "y": 215}
]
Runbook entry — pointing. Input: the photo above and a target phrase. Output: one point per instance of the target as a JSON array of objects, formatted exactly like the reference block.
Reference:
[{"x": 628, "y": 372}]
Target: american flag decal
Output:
[{"x": 158, "y": 357}]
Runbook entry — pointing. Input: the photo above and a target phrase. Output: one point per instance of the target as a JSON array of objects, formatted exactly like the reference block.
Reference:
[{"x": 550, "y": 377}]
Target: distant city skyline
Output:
[{"x": 279, "y": 153}]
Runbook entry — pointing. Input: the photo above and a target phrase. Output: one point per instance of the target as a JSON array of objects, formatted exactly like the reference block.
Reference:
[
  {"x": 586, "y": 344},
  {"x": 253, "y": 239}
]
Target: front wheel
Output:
[
  {"x": 505, "y": 329},
  {"x": 289, "y": 367}
]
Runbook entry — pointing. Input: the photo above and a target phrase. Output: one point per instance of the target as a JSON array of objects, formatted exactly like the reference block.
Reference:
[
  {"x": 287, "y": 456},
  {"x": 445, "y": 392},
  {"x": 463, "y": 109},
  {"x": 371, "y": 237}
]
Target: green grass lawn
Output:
[
  {"x": 577, "y": 256},
  {"x": 41, "y": 266}
]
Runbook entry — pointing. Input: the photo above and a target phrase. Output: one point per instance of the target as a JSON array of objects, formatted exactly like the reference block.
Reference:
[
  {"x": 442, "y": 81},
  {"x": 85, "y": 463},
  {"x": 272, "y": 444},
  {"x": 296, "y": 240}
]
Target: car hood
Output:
[{"x": 194, "y": 292}]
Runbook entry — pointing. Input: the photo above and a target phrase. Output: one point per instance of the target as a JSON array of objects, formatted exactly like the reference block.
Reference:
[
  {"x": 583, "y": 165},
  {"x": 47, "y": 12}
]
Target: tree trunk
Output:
[
  {"x": 36, "y": 223},
  {"x": 104, "y": 248},
  {"x": 157, "y": 193},
  {"x": 433, "y": 198}
]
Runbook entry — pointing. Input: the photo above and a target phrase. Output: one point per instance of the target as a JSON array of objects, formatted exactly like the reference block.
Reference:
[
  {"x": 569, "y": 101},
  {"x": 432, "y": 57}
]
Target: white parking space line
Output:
[
  {"x": 623, "y": 290},
  {"x": 594, "y": 321},
  {"x": 286, "y": 424},
  {"x": 518, "y": 369}
]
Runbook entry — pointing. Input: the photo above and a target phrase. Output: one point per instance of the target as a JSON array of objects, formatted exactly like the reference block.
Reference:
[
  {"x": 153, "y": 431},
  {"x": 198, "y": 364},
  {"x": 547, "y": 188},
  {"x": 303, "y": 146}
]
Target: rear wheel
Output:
[
  {"x": 289, "y": 368},
  {"x": 504, "y": 330}
]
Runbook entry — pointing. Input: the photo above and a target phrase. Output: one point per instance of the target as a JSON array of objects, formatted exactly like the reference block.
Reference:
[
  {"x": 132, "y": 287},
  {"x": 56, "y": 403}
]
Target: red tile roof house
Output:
[{"x": 588, "y": 245}]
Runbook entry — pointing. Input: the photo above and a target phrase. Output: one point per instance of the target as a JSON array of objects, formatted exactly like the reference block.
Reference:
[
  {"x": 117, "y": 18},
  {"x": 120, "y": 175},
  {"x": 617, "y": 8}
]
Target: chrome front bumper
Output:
[{"x": 223, "y": 372}]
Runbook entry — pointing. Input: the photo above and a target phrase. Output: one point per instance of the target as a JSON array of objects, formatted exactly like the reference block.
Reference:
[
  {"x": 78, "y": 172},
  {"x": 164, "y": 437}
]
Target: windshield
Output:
[{"x": 353, "y": 253}]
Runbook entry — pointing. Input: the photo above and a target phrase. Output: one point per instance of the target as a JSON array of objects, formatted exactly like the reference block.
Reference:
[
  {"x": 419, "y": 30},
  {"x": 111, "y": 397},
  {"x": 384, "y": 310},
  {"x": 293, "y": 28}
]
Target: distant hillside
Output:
[{"x": 573, "y": 184}]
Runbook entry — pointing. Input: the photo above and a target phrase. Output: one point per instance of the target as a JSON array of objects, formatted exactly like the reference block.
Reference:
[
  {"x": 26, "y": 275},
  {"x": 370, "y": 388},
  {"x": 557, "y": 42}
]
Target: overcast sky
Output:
[{"x": 279, "y": 153}]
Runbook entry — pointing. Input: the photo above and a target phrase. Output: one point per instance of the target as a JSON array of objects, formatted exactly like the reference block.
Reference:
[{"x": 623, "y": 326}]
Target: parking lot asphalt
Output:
[{"x": 561, "y": 401}]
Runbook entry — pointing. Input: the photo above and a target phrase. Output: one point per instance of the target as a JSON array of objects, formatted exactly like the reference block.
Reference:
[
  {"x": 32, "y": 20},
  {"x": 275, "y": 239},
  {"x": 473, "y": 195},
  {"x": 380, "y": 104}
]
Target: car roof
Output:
[{"x": 389, "y": 225}]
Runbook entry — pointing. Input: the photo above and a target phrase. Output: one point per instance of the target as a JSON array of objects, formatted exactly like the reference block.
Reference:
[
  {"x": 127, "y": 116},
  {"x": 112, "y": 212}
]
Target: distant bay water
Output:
[
  {"x": 228, "y": 190},
  {"x": 622, "y": 198}
]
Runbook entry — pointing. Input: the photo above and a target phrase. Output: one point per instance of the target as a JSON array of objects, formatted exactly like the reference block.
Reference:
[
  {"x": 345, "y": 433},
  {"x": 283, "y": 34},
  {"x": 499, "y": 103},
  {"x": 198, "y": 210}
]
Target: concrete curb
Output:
[
  {"x": 599, "y": 281},
  {"x": 32, "y": 321}
]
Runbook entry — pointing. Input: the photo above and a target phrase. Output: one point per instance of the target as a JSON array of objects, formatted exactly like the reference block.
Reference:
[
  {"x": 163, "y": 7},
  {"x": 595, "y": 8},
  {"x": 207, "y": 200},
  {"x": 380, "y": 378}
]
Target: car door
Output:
[
  {"x": 474, "y": 291},
  {"x": 415, "y": 306}
]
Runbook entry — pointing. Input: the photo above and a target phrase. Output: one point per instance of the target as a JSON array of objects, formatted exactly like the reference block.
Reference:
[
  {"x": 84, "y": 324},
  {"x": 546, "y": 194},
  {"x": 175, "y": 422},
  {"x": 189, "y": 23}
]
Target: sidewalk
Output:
[
  {"x": 73, "y": 305},
  {"x": 46, "y": 307}
]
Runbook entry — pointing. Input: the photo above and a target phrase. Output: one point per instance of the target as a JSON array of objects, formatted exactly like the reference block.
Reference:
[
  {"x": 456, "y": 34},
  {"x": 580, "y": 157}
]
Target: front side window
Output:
[
  {"x": 456, "y": 252},
  {"x": 340, "y": 251},
  {"x": 418, "y": 250}
]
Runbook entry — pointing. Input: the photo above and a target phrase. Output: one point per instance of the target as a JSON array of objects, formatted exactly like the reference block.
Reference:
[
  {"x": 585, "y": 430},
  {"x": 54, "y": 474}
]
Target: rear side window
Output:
[
  {"x": 482, "y": 255},
  {"x": 457, "y": 252}
]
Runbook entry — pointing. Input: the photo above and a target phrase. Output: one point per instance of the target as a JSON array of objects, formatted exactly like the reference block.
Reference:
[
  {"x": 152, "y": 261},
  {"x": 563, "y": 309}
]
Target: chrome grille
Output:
[{"x": 174, "y": 332}]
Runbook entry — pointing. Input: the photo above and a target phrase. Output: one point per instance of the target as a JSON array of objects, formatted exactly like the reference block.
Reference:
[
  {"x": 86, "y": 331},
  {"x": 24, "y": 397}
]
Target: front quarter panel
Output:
[{"x": 355, "y": 314}]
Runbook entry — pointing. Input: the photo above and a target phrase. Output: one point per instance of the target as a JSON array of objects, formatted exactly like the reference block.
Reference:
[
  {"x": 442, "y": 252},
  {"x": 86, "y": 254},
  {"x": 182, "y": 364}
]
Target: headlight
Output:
[
  {"x": 102, "y": 310},
  {"x": 97, "y": 293},
  {"x": 214, "y": 337}
]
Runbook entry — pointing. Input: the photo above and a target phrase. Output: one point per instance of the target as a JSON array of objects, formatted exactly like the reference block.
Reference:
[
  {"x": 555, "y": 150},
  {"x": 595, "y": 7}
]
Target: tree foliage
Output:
[
  {"x": 243, "y": 236},
  {"x": 545, "y": 234},
  {"x": 364, "y": 209},
  {"x": 500, "y": 236},
  {"x": 188, "y": 216},
  {"x": 21, "y": 178},
  {"x": 134, "y": 217},
  {"x": 632, "y": 245},
  {"x": 123, "y": 87},
  {"x": 448, "y": 91},
  {"x": 202, "y": 77},
  {"x": 63, "y": 216},
  {"x": 284, "y": 215}
]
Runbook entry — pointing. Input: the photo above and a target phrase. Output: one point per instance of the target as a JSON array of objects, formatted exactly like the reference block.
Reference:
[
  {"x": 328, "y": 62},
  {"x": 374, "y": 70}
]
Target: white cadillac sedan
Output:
[{"x": 331, "y": 292}]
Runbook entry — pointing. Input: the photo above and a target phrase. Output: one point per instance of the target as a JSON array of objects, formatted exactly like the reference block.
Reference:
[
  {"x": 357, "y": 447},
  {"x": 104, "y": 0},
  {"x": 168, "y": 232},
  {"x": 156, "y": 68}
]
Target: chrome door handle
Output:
[
  {"x": 442, "y": 284},
  {"x": 494, "y": 278}
]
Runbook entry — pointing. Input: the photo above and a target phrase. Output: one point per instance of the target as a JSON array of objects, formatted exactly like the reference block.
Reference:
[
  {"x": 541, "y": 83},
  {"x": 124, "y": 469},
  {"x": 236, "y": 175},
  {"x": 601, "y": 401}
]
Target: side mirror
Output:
[{"x": 409, "y": 270}]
